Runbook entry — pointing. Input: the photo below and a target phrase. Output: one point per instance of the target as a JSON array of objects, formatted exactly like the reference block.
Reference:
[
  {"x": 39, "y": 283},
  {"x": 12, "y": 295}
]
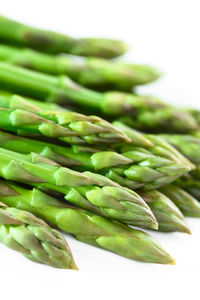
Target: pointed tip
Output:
[
  {"x": 167, "y": 259},
  {"x": 74, "y": 267},
  {"x": 181, "y": 226},
  {"x": 154, "y": 226},
  {"x": 172, "y": 262},
  {"x": 186, "y": 230}
]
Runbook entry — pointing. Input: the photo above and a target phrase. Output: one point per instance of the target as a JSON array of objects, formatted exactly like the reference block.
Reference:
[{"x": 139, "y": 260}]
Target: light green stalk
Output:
[
  {"x": 168, "y": 215},
  {"x": 88, "y": 190},
  {"x": 96, "y": 73},
  {"x": 69, "y": 127},
  {"x": 136, "y": 168},
  {"x": 111, "y": 104},
  {"x": 190, "y": 147},
  {"x": 51, "y": 42},
  {"x": 86, "y": 226},
  {"x": 189, "y": 206},
  {"x": 187, "y": 144},
  {"x": 190, "y": 184},
  {"x": 22, "y": 231},
  {"x": 13, "y": 101}
]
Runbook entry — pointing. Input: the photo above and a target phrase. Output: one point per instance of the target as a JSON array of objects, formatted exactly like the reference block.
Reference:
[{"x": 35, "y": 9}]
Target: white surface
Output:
[{"x": 163, "y": 33}]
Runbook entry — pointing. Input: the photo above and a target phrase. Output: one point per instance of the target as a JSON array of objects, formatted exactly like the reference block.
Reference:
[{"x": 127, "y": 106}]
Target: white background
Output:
[{"x": 163, "y": 33}]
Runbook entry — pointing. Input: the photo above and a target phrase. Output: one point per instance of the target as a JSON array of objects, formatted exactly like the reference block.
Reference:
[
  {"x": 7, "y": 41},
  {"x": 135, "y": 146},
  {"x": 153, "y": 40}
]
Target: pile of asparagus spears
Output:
[{"x": 82, "y": 152}]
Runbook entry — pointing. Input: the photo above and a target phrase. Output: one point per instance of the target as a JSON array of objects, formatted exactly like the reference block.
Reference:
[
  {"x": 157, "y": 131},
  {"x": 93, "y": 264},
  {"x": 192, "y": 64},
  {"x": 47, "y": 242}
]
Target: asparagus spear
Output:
[
  {"x": 13, "y": 101},
  {"x": 22, "y": 231},
  {"x": 190, "y": 184},
  {"x": 166, "y": 212},
  {"x": 133, "y": 169},
  {"x": 158, "y": 145},
  {"x": 86, "y": 226},
  {"x": 69, "y": 157},
  {"x": 113, "y": 104},
  {"x": 51, "y": 42},
  {"x": 88, "y": 190},
  {"x": 187, "y": 144},
  {"x": 188, "y": 205},
  {"x": 95, "y": 73},
  {"x": 69, "y": 127}
]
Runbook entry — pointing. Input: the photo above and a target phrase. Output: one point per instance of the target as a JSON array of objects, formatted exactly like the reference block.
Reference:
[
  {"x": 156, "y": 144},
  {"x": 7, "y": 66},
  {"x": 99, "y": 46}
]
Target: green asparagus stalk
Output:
[
  {"x": 188, "y": 205},
  {"x": 69, "y": 157},
  {"x": 195, "y": 113},
  {"x": 13, "y": 101},
  {"x": 190, "y": 184},
  {"x": 69, "y": 127},
  {"x": 113, "y": 104},
  {"x": 190, "y": 147},
  {"x": 22, "y": 231},
  {"x": 133, "y": 169},
  {"x": 51, "y": 42},
  {"x": 169, "y": 119},
  {"x": 86, "y": 226},
  {"x": 187, "y": 144},
  {"x": 159, "y": 146},
  {"x": 87, "y": 190},
  {"x": 97, "y": 73},
  {"x": 186, "y": 199},
  {"x": 168, "y": 215}
]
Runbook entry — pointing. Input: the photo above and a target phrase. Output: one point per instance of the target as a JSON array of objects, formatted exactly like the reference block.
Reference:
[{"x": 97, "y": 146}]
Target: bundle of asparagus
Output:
[
  {"x": 93, "y": 72},
  {"x": 143, "y": 111},
  {"x": 78, "y": 172},
  {"x": 86, "y": 226}
]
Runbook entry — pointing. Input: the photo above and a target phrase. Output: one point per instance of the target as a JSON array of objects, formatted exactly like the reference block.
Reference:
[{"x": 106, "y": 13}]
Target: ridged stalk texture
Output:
[
  {"x": 96, "y": 73},
  {"x": 190, "y": 184},
  {"x": 188, "y": 205},
  {"x": 190, "y": 147},
  {"x": 88, "y": 190},
  {"x": 134, "y": 138},
  {"x": 86, "y": 226},
  {"x": 168, "y": 215},
  {"x": 136, "y": 168},
  {"x": 69, "y": 127},
  {"x": 15, "y": 101},
  {"x": 144, "y": 112},
  {"x": 51, "y": 42},
  {"x": 22, "y": 231},
  {"x": 158, "y": 146}
]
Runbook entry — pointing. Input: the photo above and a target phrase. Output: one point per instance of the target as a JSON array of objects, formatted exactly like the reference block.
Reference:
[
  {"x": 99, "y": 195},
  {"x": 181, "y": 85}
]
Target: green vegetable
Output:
[
  {"x": 22, "y": 231},
  {"x": 111, "y": 104},
  {"x": 88, "y": 190},
  {"x": 188, "y": 205},
  {"x": 190, "y": 184},
  {"x": 187, "y": 144},
  {"x": 92, "y": 72},
  {"x": 13, "y": 101},
  {"x": 136, "y": 168},
  {"x": 69, "y": 127},
  {"x": 166, "y": 212},
  {"x": 86, "y": 226},
  {"x": 158, "y": 145},
  {"x": 47, "y": 41}
]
